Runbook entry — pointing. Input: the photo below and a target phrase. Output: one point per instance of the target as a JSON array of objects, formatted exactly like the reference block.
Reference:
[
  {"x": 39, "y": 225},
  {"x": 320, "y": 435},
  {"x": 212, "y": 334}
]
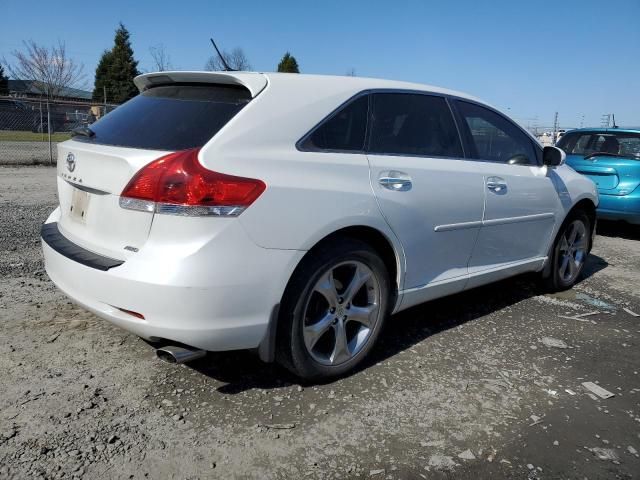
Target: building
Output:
[{"x": 28, "y": 89}]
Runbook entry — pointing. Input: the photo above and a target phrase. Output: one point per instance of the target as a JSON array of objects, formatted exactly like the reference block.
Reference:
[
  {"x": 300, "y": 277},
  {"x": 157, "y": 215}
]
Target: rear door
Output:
[
  {"x": 94, "y": 168},
  {"x": 521, "y": 204},
  {"x": 430, "y": 195}
]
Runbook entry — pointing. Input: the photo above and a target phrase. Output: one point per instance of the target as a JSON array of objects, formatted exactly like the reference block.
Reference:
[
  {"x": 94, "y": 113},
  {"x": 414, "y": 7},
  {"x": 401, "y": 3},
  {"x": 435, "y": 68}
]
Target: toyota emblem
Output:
[{"x": 71, "y": 162}]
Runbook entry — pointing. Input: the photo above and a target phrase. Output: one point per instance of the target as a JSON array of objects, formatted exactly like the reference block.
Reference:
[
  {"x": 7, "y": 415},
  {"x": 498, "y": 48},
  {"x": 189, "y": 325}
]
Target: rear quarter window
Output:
[
  {"x": 343, "y": 131},
  {"x": 171, "y": 117}
]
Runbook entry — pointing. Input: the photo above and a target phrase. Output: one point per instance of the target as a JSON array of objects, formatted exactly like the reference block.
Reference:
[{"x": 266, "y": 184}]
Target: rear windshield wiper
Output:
[
  {"x": 602, "y": 154},
  {"x": 84, "y": 131}
]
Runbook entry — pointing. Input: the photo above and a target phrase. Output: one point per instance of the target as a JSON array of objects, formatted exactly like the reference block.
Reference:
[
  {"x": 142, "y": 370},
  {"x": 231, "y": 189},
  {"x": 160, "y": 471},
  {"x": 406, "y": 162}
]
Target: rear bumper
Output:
[
  {"x": 620, "y": 207},
  {"x": 217, "y": 296}
]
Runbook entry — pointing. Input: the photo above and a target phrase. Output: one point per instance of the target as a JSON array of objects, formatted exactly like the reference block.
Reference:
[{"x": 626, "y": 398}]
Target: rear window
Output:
[
  {"x": 621, "y": 144},
  {"x": 171, "y": 117}
]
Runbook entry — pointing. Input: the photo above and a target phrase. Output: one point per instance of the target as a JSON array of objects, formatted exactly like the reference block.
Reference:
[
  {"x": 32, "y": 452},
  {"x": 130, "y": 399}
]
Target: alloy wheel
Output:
[
  {"x": 341, "y": 313},
  {"x": 573, "y": 251}
]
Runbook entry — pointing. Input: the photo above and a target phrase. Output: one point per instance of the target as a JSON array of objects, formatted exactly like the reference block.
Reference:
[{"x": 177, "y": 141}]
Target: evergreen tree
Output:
[
  {"x": 116, "y": 70},
  {"x": 4, "y": 82},
  {"x": 288, "y": 64},
  {"x": 102, "y": 77}
]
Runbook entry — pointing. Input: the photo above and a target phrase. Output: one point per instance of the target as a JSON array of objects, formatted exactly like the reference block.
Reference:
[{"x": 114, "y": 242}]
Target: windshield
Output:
[
  {"x": 172, "y": 117},
  {"x": 619, "y": 144}
]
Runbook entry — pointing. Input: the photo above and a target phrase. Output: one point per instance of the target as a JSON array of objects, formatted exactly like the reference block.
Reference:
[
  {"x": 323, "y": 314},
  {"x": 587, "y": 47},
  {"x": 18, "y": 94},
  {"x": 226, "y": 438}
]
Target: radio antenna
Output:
[{"x": 227, "y": 68}]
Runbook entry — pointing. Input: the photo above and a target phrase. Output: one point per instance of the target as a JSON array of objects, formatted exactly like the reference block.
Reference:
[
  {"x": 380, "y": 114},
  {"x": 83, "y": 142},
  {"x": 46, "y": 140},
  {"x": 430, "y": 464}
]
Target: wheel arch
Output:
[
  {"x": 391, "y": 255},
  {"x": 588, "y": 206}
]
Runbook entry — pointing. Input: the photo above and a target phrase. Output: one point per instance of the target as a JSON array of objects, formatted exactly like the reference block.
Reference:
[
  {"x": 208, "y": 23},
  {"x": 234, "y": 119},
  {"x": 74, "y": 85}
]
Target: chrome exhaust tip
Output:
[{"x": 174, "y": 354}]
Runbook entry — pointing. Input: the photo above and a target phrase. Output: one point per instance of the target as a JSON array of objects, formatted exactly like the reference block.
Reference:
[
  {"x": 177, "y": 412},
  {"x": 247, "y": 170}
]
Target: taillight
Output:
[{"x": 178, "y": 184}]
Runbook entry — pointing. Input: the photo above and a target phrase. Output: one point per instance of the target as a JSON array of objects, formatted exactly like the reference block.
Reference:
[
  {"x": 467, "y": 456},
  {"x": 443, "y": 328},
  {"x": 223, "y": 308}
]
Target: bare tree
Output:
[
  {"x": 236, "y": 60},
  {"x": 161, "y": 59},
  {"x": 50, "y": 69}
]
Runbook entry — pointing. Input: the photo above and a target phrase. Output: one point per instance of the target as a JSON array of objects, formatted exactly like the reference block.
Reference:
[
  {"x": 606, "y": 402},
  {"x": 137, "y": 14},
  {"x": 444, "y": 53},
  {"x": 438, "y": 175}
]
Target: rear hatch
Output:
[
  {"x": 97, "y": 164},
  {"x": 604, "y": 176},
  {"x": 90, "y": 179},
  {"x": 609, "y": 157},
  {"x": 612, "y": 175}
]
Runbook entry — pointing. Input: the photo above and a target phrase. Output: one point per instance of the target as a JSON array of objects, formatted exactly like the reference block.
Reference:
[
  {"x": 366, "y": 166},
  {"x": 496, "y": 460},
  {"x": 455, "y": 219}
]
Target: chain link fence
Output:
[{"x": 30, "y": 129}]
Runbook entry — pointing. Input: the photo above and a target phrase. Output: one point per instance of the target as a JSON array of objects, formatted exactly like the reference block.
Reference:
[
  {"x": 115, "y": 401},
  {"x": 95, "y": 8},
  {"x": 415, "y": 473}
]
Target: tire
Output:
[
  {"x": 328, "y": 324},
  {"x": 570, "y": 251}
]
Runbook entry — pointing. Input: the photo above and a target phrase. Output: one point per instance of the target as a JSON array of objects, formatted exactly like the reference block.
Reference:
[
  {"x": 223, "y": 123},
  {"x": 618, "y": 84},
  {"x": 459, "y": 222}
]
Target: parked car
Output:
[
  {"x": 61, "y": 120},
  {"x": 292, "y": 214},
  {"x": 15, "y": 115},
  {"x": 611, "y": 158},
  {"x": 41, "y": 124}
]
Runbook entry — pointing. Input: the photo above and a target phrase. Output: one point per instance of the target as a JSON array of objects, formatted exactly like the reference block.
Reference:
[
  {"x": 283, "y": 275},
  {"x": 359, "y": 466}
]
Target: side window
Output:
[
  {"x": 494, "y": 137},
  {"x": 345, "y": 130},
  {"x": 413, "y": 124}
]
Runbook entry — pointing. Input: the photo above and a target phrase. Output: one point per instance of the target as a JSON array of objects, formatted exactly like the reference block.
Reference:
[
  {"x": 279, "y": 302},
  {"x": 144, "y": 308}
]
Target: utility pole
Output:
[
  {"x": 555, "y": 128},
  {"x": 104, "y": 92},
  {"x": 606, "y": 120}
]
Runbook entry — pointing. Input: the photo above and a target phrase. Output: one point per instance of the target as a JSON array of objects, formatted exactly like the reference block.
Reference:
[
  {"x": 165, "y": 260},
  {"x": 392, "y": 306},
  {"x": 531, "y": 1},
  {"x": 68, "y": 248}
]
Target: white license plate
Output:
[{"x": 79, "y": 205}]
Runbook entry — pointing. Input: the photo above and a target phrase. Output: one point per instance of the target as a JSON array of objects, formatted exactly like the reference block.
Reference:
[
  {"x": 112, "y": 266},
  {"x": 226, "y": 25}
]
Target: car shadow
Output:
[
  {"x": 242, "y": 370},
  {"x": 618, "y": 229}
]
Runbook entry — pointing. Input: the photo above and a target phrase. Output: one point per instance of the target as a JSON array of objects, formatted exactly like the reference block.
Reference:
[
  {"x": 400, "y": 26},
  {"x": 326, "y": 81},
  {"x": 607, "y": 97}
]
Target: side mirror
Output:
[{"x": 553, "y": 156}]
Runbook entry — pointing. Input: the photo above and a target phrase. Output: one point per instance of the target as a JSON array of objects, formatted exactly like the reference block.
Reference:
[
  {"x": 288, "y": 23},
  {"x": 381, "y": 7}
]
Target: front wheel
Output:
[
  {"x": 570, "y": 252},
  {"x": 333, "y": 310}
]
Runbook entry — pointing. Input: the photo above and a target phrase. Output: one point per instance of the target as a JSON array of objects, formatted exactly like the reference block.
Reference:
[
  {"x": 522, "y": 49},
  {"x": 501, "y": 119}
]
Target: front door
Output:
[{"x": 521, "y": 202}]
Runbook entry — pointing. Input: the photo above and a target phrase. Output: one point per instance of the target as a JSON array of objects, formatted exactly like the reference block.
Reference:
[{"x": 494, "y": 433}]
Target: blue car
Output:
[{"x": 611, "y": 158}]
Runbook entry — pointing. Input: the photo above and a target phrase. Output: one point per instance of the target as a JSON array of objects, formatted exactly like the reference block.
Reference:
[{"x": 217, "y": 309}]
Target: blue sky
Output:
[{"x": 577, "y": 57}]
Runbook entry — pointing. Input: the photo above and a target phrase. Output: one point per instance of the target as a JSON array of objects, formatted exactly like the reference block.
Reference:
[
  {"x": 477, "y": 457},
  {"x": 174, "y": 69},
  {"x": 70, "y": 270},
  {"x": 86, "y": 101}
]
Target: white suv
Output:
[{"x": 293, "y": 214}]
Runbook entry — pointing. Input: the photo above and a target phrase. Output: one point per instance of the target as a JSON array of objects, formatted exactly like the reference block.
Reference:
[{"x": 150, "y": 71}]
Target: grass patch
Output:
[{"x": 19, "y": 136}]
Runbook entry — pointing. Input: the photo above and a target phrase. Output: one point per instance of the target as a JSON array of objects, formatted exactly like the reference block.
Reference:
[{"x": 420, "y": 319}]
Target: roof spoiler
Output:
[{"x": 252, "y": 81}]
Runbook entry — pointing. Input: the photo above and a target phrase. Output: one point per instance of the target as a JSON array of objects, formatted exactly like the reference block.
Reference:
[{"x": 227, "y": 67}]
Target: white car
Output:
[{"x": 293, "y": 214}]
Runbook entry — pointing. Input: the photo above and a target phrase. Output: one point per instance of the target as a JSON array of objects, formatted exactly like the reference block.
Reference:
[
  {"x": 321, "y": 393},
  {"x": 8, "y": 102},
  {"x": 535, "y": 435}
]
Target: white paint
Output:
[{"x": 213, "y": 282}]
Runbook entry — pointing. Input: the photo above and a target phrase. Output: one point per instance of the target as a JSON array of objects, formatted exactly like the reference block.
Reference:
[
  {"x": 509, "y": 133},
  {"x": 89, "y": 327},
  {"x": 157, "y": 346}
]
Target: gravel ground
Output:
[{"x": 485, "y": 384}]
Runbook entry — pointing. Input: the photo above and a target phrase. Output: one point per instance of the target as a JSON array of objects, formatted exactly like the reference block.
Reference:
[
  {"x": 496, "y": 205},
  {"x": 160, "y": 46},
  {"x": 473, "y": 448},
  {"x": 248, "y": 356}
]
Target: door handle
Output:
[
  {"x": 395, "y": 181},
  {"x": 496, "y": 184}
]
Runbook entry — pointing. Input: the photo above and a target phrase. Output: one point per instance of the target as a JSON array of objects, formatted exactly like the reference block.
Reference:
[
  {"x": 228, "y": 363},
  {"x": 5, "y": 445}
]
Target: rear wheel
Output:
[
  {"x": 570, "y": 251},
  {"x": 333, "y": 310}
]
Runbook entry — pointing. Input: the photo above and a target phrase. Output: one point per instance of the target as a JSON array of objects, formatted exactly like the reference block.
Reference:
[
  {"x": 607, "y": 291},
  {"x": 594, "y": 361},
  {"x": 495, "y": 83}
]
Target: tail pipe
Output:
[{"x": 175, "y": 354}]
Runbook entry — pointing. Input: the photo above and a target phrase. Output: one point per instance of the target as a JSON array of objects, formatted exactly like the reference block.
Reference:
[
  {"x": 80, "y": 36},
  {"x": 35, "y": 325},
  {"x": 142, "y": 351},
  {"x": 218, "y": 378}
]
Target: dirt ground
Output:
[{"x": 485, "y": 384}]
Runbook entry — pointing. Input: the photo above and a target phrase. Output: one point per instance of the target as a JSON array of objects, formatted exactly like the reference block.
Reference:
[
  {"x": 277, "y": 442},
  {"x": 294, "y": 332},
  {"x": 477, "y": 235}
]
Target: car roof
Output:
[
  {"x": 604, "y": 130},
  {"x": 255, "y": 82}
]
